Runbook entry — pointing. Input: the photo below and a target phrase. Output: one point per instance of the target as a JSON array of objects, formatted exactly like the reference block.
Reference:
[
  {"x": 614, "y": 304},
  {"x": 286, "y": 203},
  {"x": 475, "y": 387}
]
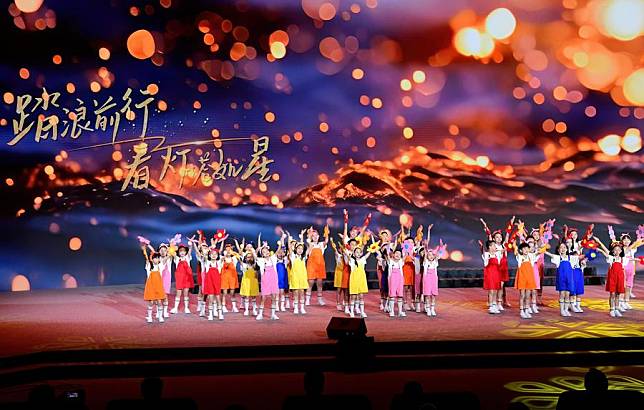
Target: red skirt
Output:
[
  {"x": 183, "y": 276},
  {"x": 492, "y": 276},
  {"x": 615, "y": 278},
  {"x": 212, "y": 282},
  {"x": 504, "y": 272},
  {"x": 409, "y": 271},
  {"x": 199, "y": 274}
]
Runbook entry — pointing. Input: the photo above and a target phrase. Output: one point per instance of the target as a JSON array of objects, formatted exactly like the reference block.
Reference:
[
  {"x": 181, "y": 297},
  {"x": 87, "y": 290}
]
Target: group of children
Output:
[
  {"x": 571, "y": 256},
  {"x": 406, "y": 267},
  {"x": 407, "y": 272}
]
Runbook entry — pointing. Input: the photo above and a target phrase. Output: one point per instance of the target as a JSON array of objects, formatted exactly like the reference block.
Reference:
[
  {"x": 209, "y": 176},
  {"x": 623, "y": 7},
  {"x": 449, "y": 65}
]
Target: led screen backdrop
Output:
[{"x": 132, "y": 118}]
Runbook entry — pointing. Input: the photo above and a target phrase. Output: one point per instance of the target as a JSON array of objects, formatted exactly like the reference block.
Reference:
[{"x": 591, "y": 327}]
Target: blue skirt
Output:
[
  {"x": 578, "y": 280},
  {"x": 565, "y": 279},
  {"x": 282, "y": 275}
]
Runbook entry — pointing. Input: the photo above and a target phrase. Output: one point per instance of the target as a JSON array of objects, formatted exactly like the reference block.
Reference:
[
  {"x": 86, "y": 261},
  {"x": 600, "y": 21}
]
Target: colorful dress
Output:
[
  {"x": 491, "y": 271},
  {"x": 430, "y": 277},
  {"x": 577, "y": 277},
  {"x": 315, "y": 266},
  {"x": 229, "y": 279},
  {"x": 358, "y": 280},
  {"x": 346, "y": 273},
  {"x": 524, "y": 279},
  {"x": 166, "y": 274},
  {"x": 249, "y": 283},
  {"x": 339, "y": 268},
  {"x": 629, "y": 266},
  {"x": 298, "y": 279},
  {"x": 269, "y": 282},
  {"x": 564, "y": 280},
  {"x": 395, "y": 278},
  {"x": 212, "y": 278},
  {"x": 153, "y": 284},
  {"x": 409, "y": 271},
  {"x": 183, "y": 273},
  {"x": 615, "y": 275},
  {"x": 418, "y": 276},
  {"x": 282, "y": 274},
  {"x": 538, "y": 270},
  {"x": 504, "y": 271}
]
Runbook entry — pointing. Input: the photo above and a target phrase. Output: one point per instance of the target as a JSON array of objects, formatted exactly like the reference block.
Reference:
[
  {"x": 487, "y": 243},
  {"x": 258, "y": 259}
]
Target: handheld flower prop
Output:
[
  {"x": 589, "y": 243},
  {"x": 441, "y": 250},
  {"x": 374, "y": 247},
  {"x": 143, "y": 241},
  {"x": 419, "y": 233},
  {"x": 590, "y": 255},
  {"x": 367, "y": 220},
  {"x": 326, "y": 231},
  {"x": 640, "y": 232},
  {"x": 219, "y": 235},
  {"x": 641, "y": 260},
  {"x": 611, "y": 233},
  {"x": 175, "y": 239},
  {"x": 408, "y": 248}
]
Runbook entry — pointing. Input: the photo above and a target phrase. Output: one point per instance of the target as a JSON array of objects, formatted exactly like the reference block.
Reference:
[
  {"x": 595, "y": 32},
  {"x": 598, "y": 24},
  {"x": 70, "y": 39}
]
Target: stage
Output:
[{"x": 114, "y": 318}]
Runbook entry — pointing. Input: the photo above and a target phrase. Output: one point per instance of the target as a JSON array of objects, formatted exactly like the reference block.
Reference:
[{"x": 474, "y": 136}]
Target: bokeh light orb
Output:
[
  {"x": 610, "y": 144},
  {"x": 28, "y": 6},
  {"x": 500, "y": 23},
  {"x": 20, "y": 283},
  {"x": 75, "y": 243},
  {"x": 467, "y": 41},
  {"x": 634, "y": 87},
  {"x": 141, "y": 45},
  {"x": 622, "y": 19},
  {"x": 632, "y": 141}
]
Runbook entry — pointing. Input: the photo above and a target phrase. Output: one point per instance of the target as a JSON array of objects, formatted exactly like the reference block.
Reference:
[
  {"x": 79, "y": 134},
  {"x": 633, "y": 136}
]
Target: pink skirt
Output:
[
  {"x": 418, "y": 278},
  {"x": 430, "y": 283},
  {"x": 396, "y": 284},
  {"x": 629, "y": 274},
  {"x": 166, "y": 277},
  {"x": 270, "y": 284},
  {"x": 537, "y": 276}
]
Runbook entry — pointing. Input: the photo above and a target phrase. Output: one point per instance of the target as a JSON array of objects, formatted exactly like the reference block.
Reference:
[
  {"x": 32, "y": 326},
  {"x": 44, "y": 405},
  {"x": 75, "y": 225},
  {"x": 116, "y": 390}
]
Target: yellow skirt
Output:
[
  {"x": 358, "y": 281},
  {"x": 249, "y": 284},
  {"x": 337, "y": 276},
  {"x": 298, "y": 279}
]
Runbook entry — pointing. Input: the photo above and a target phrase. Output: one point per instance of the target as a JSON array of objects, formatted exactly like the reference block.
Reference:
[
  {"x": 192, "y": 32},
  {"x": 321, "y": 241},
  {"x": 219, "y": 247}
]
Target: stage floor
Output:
[{"x": 114, "y": 318}]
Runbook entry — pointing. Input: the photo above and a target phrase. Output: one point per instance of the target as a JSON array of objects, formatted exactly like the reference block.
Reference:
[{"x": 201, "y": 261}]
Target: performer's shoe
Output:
[
  {"x": 321, "y": 301},
  {"x": 148, "y": 319},
  {"x": 433, "y": 311},
  {"x": 302, "y": 311},
  {"x": 612, "y": 313},
  {"x": 618, "y": 313},
  {"x": 174, "y": 310}
]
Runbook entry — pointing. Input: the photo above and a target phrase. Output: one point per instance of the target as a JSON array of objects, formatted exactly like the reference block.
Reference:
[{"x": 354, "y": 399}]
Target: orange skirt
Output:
[
  {"x": 408, "y": 273},
  {"x": 346, "y": 273},
  {"x": 229, "y": 279},
  {"x": 154, "y": 287},
  {"x": 315, "y": 267},
  {"x": 525, "y": 277}
]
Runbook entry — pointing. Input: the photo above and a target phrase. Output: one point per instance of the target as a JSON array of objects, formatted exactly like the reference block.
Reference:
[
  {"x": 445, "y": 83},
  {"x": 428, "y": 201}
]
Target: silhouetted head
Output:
[
  {"x": 313, "y": 382},
  {"x": 151, "y": 388},
  {"x": 595, "y": 381},
  {"x": 42, "y": 393}
]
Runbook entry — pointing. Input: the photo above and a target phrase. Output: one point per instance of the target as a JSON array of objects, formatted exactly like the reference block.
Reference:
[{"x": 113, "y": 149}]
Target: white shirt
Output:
[
  {"x": 573, "y": 259},
  {"x": 264, "y": 262},
  {"x": 526, "y": 258},
  {"x": 152, "y": 268},
  {"x": 360, "y": 262},
  {"x": 427, "y": 264},
  {"x": 612, "y": 259}
]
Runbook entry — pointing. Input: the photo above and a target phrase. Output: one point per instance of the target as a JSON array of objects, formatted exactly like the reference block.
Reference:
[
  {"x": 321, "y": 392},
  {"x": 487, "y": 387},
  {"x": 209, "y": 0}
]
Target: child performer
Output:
[
  {"x": 409, "y": 271},
  {"x": 315, "y": 266},
  {"x": 491, "y": 274},
  {"x": 183, "y": 277},
  {"x": 630, "y": 249},
  {"x": 430, "y": 273},
  {"x": 229, "y": 279},
  {"x": 501, "y": 245},
  {"x": 525, "y": 280},
  {"x": 299, "y": 280},
  {"x": 381, "y": 270},
  {"x": 154, "y": 292},
  {"x": 201, "y": 252},
  {"x": 212, "y": 283},
  {"x": 541, "y": 238},
  {"x": 419, "y": 257},
  {"x": 166, "y": 275},
  {"x": 270, "y": 284},
  {"x": 564, "y": 277},
  {"x": 392, "y": 263},
  {"x": 249, "y": 288},
  {"x": 355, "y": 237},
  {"x": 358, "y": 285},
  {"x": 535, "y": 255},
  {"x": 337, "y": 276},
  {"x": 282, "y": 274},
  {"x": 615, "y": 275}
]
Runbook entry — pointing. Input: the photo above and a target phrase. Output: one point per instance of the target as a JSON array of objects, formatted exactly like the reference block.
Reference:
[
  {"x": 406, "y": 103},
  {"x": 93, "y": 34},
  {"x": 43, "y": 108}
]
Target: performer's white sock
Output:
[
  {"x": 149, "y": 317},
  {"x": 296, "y": 309}
]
